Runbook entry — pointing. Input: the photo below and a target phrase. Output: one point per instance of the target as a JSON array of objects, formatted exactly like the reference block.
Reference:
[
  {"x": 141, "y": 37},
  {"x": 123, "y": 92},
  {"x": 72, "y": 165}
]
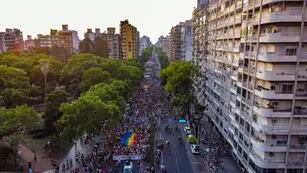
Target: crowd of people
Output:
[
  {"x": 147, "y": 101},
  {"x": 218, "y": 149}
]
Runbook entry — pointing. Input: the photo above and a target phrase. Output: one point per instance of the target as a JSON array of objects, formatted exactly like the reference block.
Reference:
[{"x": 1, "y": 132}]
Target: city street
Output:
[{"x": 177, "y": 157}]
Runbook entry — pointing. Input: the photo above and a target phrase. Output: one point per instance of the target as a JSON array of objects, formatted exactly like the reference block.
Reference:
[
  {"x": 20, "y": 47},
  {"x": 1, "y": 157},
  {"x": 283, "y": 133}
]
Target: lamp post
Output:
[
  {"x": 49, "y": 149},
  {"x": 45, "y": 70}
]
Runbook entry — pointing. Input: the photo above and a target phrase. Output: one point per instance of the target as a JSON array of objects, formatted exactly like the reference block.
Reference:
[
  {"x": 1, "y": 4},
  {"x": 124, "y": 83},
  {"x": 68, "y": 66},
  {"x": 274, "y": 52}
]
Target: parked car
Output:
[
  {"x": 187, "y": 130},
  {"x": 128, "y": 167},
  {"x": 195, "y": 149}
]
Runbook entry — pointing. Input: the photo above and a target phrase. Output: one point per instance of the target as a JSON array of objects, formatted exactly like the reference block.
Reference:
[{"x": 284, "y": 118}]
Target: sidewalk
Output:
[
  {"x": 84, "y": 149},
  {"x": 229, "y": 164},
  {"x": 42, "y": 163},
  {"x": 195, "y": 160}
]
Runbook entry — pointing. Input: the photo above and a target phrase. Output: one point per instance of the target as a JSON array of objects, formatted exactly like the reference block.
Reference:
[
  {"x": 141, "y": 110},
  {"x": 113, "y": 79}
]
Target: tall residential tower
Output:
[
  {"x": 256, "y": 81},
  {"x": 130, "y": 40}
]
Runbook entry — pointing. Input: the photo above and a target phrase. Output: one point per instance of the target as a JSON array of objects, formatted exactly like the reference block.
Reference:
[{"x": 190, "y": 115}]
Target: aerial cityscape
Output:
[{"x": 202, "y": 86}]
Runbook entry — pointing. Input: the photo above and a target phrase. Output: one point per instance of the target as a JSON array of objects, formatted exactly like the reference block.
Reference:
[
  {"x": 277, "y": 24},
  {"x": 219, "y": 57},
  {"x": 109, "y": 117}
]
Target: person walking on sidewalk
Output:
[{"x": 34, "y": 157}]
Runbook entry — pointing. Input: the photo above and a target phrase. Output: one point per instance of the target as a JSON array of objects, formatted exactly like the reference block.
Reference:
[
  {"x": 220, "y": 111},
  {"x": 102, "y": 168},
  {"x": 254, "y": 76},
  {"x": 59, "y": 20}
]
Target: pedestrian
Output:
[{"x": 34, "y": 157}]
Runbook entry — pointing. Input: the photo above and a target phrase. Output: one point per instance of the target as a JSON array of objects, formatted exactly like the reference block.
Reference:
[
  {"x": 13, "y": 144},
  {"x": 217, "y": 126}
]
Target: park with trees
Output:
[{"x": 45, "y": 98}]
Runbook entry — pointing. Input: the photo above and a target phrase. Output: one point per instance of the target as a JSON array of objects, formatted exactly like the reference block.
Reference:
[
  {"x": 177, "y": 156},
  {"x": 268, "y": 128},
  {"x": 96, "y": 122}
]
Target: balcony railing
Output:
[
  {"x": 300, "y": 111},
  {"x": 274, "y": 109},
  {"x": 298, "y": 146}
]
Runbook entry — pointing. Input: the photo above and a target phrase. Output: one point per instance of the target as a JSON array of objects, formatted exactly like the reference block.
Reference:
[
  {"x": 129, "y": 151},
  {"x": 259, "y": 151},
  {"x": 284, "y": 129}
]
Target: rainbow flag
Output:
[{"x": 128, "y": 139}]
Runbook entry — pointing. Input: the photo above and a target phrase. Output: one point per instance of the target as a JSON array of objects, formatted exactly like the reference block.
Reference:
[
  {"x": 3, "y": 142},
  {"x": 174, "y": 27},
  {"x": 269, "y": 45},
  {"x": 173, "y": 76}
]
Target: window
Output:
[
  {"x": 288, "y": 88},
  {"x": 291, "y": 52}
]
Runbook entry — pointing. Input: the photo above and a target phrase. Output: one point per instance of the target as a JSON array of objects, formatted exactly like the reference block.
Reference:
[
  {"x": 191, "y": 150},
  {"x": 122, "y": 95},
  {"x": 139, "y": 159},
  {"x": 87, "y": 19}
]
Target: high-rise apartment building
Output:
[
  {"x": 11, "y": 39},
  {"x": 144, "y": 43},
  {"x": 29, "y": 42},
  {"x": 256, "y": 81},
  {"x": 181, "y": 41},
  {"x": 130, "y": 41},
  {"x": 114, "y": 42},
  {"x": 64, "y": 38},
  {"x": 199, "y": 45},
  {"x": 176, "y": 42},
  {"x": 186, "y": 37},
  {"x": 68, "y": 39},
  {"x": 44, "y": 41},
  {"x": 164, "y": 43},
  {"x": 92, "y": 35},
  {"x": 2, "y": 45}
]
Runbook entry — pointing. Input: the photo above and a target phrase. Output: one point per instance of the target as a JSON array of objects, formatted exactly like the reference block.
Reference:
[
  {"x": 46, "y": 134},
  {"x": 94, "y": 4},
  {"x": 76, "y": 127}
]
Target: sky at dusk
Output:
[{"x": 151, "y": 17}]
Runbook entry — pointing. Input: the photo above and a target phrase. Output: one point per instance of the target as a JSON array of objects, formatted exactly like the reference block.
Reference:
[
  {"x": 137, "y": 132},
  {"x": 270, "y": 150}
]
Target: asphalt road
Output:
[{"x": 176, "y": 159}]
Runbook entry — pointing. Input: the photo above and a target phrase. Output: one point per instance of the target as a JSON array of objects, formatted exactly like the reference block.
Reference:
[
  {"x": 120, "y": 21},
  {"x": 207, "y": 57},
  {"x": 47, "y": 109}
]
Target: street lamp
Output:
[
  {"x": 49, "y": 149},
  {"x": 45, "y": 70}
]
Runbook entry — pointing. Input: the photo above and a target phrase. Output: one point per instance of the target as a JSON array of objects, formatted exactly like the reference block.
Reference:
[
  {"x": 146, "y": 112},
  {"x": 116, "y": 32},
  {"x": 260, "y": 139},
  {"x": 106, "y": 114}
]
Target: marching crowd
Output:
[{"x": 144, "y": 104}]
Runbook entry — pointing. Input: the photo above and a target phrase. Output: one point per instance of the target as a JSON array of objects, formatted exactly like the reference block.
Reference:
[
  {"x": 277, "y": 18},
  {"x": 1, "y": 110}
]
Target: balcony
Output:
[
  {"x": 283, "y": 16},
  {"x": 271, "y": 112},
  {"x": 297, "y": 147},
  {"x": 273, "y": 76},
  {"x": 300, "y": 111},
  {"x": 273, "y": 57},
  {"x": 267, "y": 162},
  {"x": 271, "y": 129},
  {"x": 271, "y": 94},
  {"x": 250, "y": 3},
  {"x": 286, "y": 37},
  {"x": 263, "y": 146}
]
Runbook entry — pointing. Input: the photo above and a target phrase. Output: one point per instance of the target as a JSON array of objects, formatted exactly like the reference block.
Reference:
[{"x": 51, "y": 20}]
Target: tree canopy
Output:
[
  {"x": 103, "y": 102},
  {"x": 177, "y": 79},
  {"x": 53, "y": 103},
  {"x": 98, "y": 46},
  {"x": 16, "y": 120}
]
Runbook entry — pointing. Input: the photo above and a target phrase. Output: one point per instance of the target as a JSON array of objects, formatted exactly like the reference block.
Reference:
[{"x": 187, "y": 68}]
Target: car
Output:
[
  {"x": 195, "y": 149},
  {"x": 128, "y": 167},
  {"x": 187, "y": 130}
]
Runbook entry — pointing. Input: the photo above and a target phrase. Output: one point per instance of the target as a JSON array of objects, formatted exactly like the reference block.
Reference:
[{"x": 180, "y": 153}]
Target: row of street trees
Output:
[{"x": 177, "y": 79}]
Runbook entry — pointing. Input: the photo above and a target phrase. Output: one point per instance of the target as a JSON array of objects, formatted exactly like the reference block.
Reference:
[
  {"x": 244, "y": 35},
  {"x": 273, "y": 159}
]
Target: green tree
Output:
[
  {"x": 86, "y": 45},
  {"x": 53, "y": 103},
  {"x": 94, "y": 76},
  {"x": 12, "y": 97},
  {"x": 100, "y": 47},
  {"x": 163, "y": 59},
  {"x": 177, "y": 78},
  {"x": 12, "y": 77},
  {"x": 147, "y": 52},
  {"x": 31, "y": 65},
  {"x": 16, "y": 120},
  {"x": 74, "y": 68},
  {"x": 86, "y": 114}
]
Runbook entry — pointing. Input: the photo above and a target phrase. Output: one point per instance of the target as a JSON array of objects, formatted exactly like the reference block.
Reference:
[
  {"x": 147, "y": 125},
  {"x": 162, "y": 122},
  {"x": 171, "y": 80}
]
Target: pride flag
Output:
[{"x": 128, "y": 139}]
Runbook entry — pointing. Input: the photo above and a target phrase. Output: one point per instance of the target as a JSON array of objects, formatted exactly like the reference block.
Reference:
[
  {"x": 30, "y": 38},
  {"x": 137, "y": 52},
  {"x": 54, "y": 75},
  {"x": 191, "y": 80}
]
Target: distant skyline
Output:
[{"x": 152, "y": 17}]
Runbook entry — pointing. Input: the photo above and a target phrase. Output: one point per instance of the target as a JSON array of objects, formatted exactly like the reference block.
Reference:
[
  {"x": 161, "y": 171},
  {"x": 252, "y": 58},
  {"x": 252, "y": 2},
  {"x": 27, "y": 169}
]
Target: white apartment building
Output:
[{"x": 255, "y": 80}]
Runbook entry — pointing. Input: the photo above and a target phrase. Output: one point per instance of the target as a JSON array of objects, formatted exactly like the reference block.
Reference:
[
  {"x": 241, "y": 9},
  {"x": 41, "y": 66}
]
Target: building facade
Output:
[
  {"x": 181, "y": 41},
  {"x": 29, "y": 42},
  {"x": 114, "y": 42},
  {"x": 256, "y": 81},
  {"x": 164, "y": 43},
  {"x": 176, "y": 42},
  {"x": 11, "y": 39},
  {"x": 199, "y": 46},
  {"x": 186, "y": 37},
  {"x": 130, "y": 41},
  {"x": 144, "y": 43},
  {"x": 64, "y": 38},
  {"x": 2, "y": 45}
]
